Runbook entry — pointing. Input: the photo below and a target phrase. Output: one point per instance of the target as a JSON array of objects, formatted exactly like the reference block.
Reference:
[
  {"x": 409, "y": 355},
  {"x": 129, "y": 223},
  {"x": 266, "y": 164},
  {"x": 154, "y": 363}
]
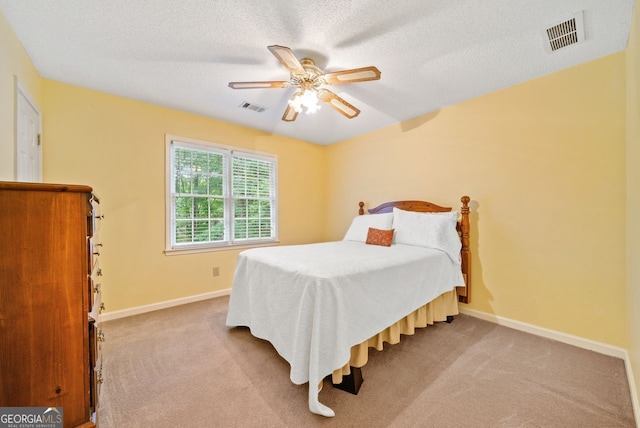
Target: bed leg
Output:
[
  {"x": 352, "y": 382},
  {"x": 449, "y": 319}
]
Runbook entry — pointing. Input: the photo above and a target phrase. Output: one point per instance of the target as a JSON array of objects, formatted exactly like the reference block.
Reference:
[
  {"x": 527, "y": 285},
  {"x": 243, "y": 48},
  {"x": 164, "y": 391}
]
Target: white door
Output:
[{"x": 28, "y": 149}]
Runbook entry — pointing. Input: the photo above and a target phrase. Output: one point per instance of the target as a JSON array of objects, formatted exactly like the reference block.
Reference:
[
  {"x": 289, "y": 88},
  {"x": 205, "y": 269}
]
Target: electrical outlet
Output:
[{"x": 216, "y": 271}]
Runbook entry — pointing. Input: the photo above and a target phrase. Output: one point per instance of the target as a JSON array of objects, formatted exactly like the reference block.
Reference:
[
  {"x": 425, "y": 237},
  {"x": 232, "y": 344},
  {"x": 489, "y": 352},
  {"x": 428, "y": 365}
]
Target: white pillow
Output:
[
  {"x": 428, "y": 230},
  {"x": 361, "y": 224},
  {"x": 453, "y": 215}
]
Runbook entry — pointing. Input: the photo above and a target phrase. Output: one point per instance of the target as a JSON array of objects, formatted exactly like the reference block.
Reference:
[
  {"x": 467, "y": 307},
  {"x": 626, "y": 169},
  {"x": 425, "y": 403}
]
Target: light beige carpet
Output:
[{"x": 182, "y": 367}]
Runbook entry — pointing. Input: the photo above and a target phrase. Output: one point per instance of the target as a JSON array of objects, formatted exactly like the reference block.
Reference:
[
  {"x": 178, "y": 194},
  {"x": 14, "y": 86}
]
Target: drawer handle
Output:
[
  {"x": 99, "y": 272},
  {"x": 101, "y": 337},
  {"x": 102, "y": 307},
  {"x": 96, "y": 288}
]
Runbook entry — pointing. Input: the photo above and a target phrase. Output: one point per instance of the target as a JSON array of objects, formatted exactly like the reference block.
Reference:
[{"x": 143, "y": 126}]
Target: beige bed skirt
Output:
[{"x": 436, "y": 310}]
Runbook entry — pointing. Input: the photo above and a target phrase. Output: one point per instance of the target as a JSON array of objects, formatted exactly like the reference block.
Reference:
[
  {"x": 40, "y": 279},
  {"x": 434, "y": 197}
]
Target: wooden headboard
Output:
[{"x": 462, "y": 227}]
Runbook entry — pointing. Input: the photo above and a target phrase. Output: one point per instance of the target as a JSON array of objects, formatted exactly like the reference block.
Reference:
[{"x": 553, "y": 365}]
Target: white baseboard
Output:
[
  {"x": 109, "y": 316},
  {"x": 569, "y": 339},
  {"x": 580, "y": 342},
  {"x": 632, "y": 388}
]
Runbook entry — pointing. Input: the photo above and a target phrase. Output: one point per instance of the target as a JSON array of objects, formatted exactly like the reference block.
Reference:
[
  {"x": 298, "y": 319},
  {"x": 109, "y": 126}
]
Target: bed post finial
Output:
[{"x": 361, "y": 210}]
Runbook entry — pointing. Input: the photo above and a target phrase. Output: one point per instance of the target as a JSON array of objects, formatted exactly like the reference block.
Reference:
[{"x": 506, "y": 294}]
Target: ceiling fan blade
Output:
[
  {"x": 290, "y": 114},
  {"x": 287, "y": 58},
  {"x": 257, "y": 85},
  {"x": 338, "y": 103},
  {"x": 351, "y": 76}
]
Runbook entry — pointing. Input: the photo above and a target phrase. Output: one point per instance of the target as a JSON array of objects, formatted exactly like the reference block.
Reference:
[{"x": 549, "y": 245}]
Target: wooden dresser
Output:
[{"x": 50, "y": 299}]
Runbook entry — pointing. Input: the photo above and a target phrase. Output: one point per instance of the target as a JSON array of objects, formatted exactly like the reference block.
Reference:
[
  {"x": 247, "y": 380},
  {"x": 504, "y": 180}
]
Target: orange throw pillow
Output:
[{"x": 379, "y": 237}]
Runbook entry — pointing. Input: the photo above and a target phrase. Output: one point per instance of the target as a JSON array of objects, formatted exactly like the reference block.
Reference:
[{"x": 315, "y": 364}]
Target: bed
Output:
[{"x": 404, "y": 265}]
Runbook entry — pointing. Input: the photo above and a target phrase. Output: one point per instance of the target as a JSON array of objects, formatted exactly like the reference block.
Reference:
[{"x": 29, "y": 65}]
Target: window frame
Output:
[{"x": 229, "y": 242}]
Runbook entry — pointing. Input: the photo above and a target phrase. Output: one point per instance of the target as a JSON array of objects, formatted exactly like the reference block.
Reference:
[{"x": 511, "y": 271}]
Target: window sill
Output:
[{"x": 177, "y": 252}]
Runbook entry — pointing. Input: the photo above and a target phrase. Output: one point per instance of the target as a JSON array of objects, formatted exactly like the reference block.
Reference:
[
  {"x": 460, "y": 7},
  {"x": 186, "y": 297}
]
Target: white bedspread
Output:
[{"x": 314, "y": 302}]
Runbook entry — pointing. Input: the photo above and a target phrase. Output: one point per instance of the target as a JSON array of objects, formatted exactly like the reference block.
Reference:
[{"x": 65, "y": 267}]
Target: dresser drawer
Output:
[
  {"x": 94, "y": 252},
  {"x": 96, "y": 217},
  {"x": 96, "y": 338},
  {"x": 96, "y": 299},
  {"x": 94, "y": 285}
]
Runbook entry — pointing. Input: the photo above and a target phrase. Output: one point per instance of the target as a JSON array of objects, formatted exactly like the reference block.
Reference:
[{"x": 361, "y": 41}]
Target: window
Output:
[{"x": 219, "y": 196}]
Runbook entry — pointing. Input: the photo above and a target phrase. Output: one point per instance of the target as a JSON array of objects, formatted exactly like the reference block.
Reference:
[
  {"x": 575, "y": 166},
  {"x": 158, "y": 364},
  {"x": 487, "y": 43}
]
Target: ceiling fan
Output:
[{"x": 309, "y": 80}]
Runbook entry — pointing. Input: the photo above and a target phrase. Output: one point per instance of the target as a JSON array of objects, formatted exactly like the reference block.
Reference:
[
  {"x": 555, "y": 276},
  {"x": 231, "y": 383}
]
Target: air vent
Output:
[
  {"x": 253, "y": 107},
  {"x": 566, "y": 33}
]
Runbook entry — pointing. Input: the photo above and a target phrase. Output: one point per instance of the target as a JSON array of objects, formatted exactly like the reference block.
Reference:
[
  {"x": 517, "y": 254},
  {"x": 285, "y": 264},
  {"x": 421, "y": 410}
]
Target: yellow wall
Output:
[
  {"x": 633, "y": 195},
  {"x": 117, "y": 146},
  {"x": 14, "y": 62},
  {"x": 544, "y": 164}
]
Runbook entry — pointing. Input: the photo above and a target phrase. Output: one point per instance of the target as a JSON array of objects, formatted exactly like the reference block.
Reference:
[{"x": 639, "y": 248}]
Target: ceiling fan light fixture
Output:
[{"x": 308, "y": 99}]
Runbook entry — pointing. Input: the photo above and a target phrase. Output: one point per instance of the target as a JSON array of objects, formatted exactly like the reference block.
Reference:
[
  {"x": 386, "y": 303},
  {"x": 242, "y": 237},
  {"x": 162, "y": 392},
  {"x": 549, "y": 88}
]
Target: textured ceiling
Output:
[{"x": 432, "y": 53}]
